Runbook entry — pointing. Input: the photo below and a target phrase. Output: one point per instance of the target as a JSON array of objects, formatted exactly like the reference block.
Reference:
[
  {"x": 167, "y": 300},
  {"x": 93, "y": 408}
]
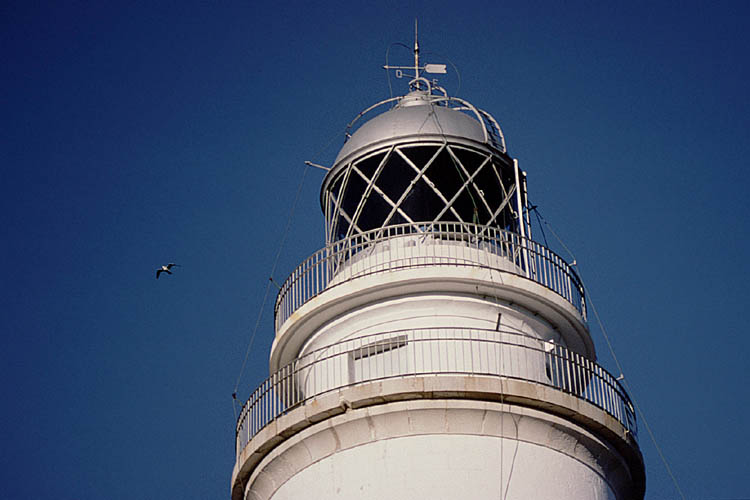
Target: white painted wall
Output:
[
  {"x": 447, "y": 467},
  {"x": 408, "y": 317}
]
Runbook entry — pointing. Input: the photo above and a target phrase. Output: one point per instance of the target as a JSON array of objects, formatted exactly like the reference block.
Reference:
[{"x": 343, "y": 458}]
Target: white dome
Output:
[{"x": 415, "y": 116}]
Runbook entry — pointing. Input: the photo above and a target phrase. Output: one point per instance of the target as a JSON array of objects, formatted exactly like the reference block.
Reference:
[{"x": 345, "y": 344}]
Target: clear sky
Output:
[{"x": 134, "y": 135}]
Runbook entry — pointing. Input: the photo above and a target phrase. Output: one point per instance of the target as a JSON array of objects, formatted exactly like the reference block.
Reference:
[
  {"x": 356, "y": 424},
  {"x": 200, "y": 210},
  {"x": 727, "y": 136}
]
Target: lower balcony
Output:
[{"x": 489, "y": 364}]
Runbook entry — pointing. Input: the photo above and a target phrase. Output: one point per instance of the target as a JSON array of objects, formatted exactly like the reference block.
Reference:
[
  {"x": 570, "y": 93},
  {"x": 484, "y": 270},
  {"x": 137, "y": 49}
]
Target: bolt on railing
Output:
[
  {"x": 432, "y": 351},
  {"x": 407, "y": 246}
]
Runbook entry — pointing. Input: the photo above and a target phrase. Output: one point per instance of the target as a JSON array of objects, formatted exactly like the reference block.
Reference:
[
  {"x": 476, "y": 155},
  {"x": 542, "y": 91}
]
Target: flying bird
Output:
[{"x": 166, "y": 269}]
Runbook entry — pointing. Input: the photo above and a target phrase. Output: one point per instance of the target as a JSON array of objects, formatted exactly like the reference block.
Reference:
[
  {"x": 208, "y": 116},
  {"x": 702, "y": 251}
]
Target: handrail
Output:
[
  {"x": 432, "y": 351},
  {"x": 407, "y": 246}
]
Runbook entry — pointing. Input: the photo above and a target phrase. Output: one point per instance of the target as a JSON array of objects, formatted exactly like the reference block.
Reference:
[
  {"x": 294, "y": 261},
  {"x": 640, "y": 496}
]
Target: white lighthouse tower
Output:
[{"x": 433, "y": 349}]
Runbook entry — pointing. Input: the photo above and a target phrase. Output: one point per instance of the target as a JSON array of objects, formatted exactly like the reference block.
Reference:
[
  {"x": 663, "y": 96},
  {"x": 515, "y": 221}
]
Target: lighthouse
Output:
[{"x": 433, "y": 349}]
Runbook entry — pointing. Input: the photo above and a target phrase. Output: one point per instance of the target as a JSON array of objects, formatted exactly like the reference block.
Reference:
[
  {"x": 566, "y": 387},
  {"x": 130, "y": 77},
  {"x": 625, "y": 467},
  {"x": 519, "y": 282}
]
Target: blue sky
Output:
[{"x": 133, "y": 135}]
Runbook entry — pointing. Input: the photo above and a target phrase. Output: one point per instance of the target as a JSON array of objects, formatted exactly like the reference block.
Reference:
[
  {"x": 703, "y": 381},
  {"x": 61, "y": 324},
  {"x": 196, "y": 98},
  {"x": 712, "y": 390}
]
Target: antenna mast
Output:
[
  {"x": 416, "y": 52},
  {"x": 427, "y": 68}
]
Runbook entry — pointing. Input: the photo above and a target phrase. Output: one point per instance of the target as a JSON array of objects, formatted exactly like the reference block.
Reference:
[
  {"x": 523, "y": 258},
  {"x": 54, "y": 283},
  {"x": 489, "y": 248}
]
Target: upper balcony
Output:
[{"x": 441, "y": 245}]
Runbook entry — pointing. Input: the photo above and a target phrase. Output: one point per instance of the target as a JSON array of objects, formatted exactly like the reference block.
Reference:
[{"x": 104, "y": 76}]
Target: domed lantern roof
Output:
[{"x": 416, "y": 115}]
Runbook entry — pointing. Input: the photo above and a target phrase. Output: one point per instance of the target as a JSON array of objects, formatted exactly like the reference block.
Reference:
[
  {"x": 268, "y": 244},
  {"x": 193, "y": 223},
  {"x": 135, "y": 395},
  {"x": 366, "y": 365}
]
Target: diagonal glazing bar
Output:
[
  {"x": 499, "y": 179},
  {"x": 421, "y": 174},
  {"x": 470, "y": 178},
  {"x": 463, "y": 187},
  {"x": 505, "y": 191},
  {"x": 370, "y": 185},
  {"x": 390, "y": 202},
  {"x": 336, "y": 208},
  {"x": 499, "y": 209},
  {"x": 349, "y": 241},
  {"x": 411, "y": 184},
  {"x": 328, "y": 220}
]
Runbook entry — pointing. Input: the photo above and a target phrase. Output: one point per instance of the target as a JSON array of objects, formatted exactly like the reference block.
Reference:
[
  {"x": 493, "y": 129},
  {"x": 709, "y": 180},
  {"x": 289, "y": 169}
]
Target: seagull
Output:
[{"x": 166, "y": 269}]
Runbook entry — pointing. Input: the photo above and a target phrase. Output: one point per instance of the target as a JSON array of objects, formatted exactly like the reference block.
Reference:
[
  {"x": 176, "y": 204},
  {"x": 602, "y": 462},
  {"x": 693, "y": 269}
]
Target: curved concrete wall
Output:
[
  {"x": 449, "y": 466},
  {"x": 442, "y": 449}
]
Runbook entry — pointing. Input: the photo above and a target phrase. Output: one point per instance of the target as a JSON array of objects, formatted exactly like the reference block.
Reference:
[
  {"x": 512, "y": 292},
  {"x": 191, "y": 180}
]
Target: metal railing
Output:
[
  {"x": 432, "y": 352},
  {"x": 408, "y": 246}
]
